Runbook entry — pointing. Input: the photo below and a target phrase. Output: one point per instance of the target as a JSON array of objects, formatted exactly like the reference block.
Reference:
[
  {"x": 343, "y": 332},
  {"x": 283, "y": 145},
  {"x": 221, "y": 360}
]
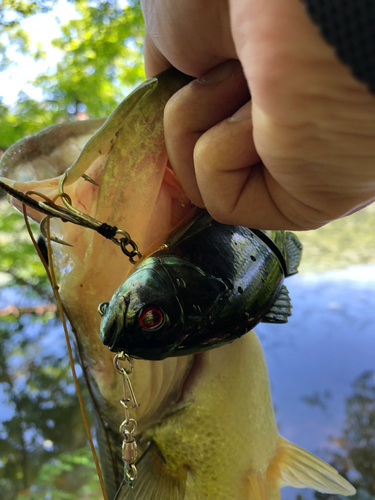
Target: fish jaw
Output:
[{"x": 137, "y": 193}]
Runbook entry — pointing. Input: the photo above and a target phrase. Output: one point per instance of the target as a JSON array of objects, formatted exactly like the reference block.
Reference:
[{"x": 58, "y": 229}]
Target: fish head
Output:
[
  {"x": 137, "y": 193},
  {"x": 143, "y": 316}
]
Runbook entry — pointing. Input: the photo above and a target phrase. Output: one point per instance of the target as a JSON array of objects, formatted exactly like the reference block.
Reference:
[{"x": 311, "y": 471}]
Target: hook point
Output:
[
  {"x": 89, "y": 179},
  {"x": 42, "y": 228}
]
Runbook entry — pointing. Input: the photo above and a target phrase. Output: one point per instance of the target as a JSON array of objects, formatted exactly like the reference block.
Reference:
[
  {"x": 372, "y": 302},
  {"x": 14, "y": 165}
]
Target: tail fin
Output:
[{"x": 294, "y": 466}]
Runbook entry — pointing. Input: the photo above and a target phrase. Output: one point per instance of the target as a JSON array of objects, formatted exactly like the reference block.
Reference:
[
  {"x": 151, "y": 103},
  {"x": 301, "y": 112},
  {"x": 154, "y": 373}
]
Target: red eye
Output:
[{"x": 151, "y": 318}]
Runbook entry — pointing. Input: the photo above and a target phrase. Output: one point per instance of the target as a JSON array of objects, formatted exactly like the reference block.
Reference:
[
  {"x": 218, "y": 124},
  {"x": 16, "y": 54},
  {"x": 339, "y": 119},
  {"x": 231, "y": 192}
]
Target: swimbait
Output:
[{"x": 209, "y": 285}]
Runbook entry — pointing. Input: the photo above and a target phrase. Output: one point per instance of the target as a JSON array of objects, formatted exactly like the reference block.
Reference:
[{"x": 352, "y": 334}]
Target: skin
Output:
[{"x": 301, "y": 153}]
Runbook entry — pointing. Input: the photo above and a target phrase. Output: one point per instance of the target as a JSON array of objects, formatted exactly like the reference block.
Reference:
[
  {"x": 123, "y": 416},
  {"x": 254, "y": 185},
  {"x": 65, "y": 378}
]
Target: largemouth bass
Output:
[{"x": 206, "y": 423}]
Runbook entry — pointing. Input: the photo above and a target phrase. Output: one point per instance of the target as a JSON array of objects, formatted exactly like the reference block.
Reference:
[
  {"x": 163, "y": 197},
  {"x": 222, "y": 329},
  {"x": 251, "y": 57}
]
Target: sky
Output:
[{"x": 42, "y": 28}]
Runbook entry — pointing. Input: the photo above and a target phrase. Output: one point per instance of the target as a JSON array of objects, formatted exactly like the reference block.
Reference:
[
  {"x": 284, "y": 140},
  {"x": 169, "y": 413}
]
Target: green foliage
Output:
[
  {"x": 101, "y": 60},
  {"x": 103, "y": 57},
  {"x": 345, "y": 242},
  {"x": 43, "y": 413},
  {"x": 26, "y": 117},
  {"x": 19, "y": 263},
  {"x": 43, "y": 448},
  {"x": 62, "y": 478},
  {"x": 357, "y": 440},
  {"x": 41, "y": 418},
  {"x": 359, "y": 432},
  {"x": 317, "y": 399}
]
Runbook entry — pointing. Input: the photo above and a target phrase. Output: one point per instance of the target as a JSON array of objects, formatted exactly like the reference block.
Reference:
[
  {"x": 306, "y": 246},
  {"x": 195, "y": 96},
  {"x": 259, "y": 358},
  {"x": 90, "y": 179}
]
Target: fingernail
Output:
[
  {"x": 221, "y": 72},
  {"x": 244, "y": 113}
]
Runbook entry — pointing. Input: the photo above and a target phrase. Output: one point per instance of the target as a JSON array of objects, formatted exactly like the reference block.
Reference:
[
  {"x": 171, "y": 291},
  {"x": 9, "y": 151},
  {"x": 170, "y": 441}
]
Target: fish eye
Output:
[
  {"x": 102, "y": 308},
  {"x": 151, "y": 318}
]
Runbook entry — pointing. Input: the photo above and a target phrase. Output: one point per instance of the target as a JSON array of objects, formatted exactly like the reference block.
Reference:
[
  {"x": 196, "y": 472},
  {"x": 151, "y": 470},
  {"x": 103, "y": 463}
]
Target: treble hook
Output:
[
  {"x": 89, "y": 179},
  {"x": 67, "y": 202},
  {"x": 109, "y": 232},
  {"x": 71, "y": 214},
  {"x": 43, "y": 232}
]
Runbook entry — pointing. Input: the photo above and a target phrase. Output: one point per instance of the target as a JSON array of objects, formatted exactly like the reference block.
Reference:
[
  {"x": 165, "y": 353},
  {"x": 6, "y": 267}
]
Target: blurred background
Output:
[{"x": 62, "y": 60}]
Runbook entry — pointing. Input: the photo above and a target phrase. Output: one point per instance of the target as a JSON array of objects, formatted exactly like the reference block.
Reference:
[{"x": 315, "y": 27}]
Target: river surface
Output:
[{"x": 314, "y": 360}]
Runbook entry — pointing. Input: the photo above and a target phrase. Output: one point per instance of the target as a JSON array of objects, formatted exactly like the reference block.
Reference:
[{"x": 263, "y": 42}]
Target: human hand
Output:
[{"x": 299, "y": 154}]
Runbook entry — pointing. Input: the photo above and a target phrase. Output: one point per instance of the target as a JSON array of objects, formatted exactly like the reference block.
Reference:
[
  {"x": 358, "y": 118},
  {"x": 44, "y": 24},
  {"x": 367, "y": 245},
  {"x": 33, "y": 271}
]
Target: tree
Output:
[
  {"x": 102, "y": 59},
  {"x": 357, "y": 440},
  {"x": 358, "y": 437},
  {"x": 40, "y": 417},
  {"x": 12, "y": 12}
]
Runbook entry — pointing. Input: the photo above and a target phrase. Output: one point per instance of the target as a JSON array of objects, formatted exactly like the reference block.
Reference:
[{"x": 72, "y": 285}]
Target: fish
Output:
[
  {"x": 206, "y": 425},
  {"x": 208, "y": 285}
]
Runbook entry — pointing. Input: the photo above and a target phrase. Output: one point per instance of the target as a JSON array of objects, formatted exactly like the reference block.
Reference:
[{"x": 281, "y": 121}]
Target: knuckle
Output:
[
  {"x": 220, "y": 209},
  {"x": 182, "y": 112}
]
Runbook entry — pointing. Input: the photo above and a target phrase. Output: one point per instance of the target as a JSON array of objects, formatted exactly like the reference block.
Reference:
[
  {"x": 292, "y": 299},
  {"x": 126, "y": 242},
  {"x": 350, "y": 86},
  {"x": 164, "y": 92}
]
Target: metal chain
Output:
[
  {"x": 129, "y": 425},
  {"x": 86, "y": 221},
  {"x": 126, "y": 241}
]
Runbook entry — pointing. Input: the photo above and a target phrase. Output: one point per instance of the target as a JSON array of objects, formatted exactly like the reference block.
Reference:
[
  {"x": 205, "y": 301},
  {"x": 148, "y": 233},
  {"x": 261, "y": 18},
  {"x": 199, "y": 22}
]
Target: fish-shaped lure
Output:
[{"x": 210, "y": 284}]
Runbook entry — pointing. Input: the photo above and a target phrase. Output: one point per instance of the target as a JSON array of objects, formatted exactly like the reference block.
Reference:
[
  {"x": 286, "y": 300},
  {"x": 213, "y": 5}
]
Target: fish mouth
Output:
[
  {"x": 171, "y": 208},
  {"x": 138, "y": 192},
  {"x": 111, "y": 325}
]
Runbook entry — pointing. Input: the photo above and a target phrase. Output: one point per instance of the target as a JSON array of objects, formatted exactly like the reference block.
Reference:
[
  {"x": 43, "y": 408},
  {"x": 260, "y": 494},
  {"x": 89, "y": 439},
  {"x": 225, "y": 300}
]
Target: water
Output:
[{"x": 314, "y": 360}]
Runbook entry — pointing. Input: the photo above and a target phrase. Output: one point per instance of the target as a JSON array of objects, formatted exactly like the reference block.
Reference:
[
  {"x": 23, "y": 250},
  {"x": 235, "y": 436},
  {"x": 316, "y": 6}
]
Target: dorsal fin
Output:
[
  {"x": 293, "y": 253},
  {"x": 155, "y": 481}
]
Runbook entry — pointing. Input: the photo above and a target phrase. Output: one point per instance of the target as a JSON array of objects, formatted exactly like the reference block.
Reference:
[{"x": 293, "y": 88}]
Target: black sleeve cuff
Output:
[{"x": 349, "y": 26}]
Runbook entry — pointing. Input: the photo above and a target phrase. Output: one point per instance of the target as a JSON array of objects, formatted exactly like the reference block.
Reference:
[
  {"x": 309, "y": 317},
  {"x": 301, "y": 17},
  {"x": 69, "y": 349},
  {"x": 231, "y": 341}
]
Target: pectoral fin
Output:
[
  {"x": 280, "y": 309},
  {"x": 294, "y": 466},
  {"x": 155, "y": 481},
  {"x": 262, "y": 489}
]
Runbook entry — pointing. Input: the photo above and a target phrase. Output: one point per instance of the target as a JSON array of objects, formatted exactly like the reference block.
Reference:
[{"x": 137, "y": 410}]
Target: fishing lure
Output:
[
  {"x": 70, "y": 214},
  {"x": 209, "y": 285}
]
